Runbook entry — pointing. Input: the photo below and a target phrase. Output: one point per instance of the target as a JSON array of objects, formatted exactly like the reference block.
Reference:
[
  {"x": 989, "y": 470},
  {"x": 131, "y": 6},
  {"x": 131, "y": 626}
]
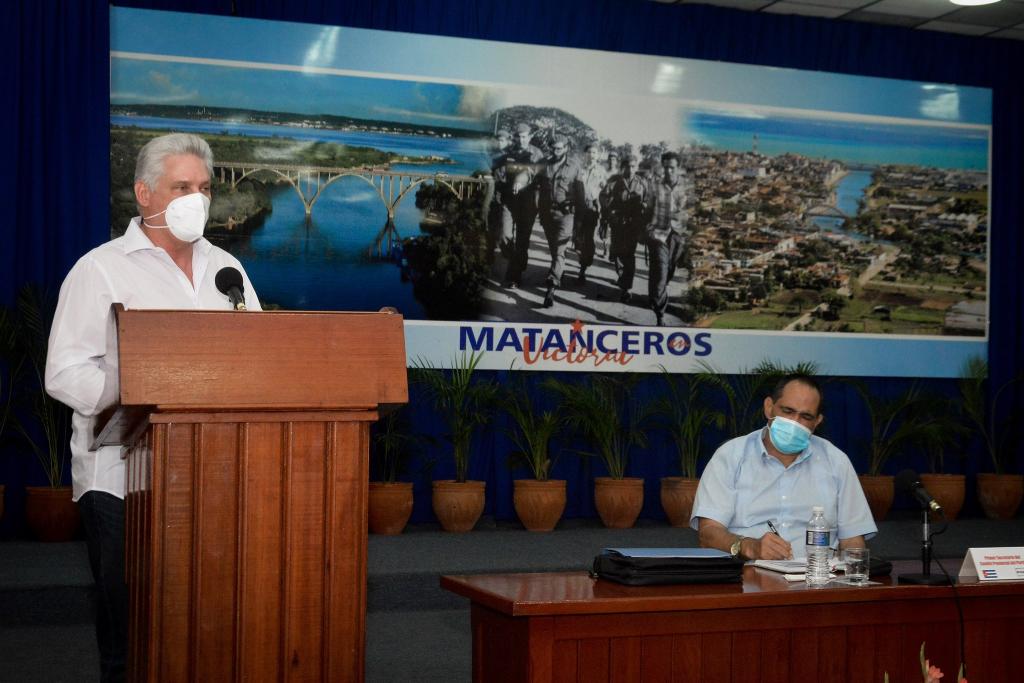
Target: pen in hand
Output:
[{"x": 771, "y": 527}]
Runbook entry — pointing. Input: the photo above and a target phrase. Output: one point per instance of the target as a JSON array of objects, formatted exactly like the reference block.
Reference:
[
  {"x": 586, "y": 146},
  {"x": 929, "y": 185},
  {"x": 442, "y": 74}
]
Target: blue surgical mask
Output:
[{"x": 788, "y": 436}]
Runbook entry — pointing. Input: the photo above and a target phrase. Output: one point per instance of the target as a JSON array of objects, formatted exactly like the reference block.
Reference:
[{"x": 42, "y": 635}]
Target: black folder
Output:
[{"x": 661, "y": 566}]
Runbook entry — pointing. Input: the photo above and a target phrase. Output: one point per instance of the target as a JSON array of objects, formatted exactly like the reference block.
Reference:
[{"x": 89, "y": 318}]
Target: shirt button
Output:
[{"x": 783, "y": 498}]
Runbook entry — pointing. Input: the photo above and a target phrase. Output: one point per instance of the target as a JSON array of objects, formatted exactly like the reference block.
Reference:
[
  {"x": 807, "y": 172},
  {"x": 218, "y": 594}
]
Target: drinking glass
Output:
[{"x": 857, "y": 563}]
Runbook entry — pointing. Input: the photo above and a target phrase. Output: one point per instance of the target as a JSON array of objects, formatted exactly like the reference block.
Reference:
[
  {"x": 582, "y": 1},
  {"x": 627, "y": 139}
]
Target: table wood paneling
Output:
[{"x": 764, "y": 630}]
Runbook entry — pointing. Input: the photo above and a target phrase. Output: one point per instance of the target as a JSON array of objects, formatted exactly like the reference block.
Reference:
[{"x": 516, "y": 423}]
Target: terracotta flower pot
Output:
[
  {"x": 879, "y": 490},
  {"x": 677, "y": 495},
  {"x": 390, "y": 505},
  {"x": 1000, "y": 494},
  {"x": 618, "y": 501},
  {"x": 458, "y": 506},
  {"x": 539, "y": 504},
  {"x": 948, "y": 490},
  {"x": 50, "y": 513}
]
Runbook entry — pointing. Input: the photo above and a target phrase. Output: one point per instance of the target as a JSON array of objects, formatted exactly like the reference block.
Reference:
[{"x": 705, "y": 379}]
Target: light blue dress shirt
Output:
[{"x": 743, "y": 487}]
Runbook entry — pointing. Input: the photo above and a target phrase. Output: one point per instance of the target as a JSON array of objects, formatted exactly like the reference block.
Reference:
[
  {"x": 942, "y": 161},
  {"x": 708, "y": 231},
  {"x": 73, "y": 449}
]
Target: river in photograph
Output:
[
  {"x": 849, "y": 193},
  {"x": 324, "y": 263}
]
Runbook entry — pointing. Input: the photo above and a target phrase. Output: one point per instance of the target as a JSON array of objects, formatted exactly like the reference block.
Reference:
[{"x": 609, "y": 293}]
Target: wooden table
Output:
[{"x": 569, "y": 627}]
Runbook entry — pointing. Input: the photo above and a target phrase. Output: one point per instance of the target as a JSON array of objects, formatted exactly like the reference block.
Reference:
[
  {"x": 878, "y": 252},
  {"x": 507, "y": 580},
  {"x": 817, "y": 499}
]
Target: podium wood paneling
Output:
[
  {"x": 569, "y": 627},
  {"x": 246, "y": 515}
]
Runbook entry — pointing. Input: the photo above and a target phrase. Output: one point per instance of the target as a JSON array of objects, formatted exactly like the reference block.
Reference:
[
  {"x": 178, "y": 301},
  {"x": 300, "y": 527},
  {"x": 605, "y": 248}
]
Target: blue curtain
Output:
[{"x": 55, "y": 131}]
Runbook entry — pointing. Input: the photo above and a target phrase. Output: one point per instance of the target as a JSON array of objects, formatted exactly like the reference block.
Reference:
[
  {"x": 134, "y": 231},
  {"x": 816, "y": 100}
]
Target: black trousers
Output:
[
  {"x": 664, "y": 257},
  {"x": 103, "y": 519},
  {"x": 523, "y": 212},
  {"x": 584, "y": 227},
  {"x": 558, "y": 228}
]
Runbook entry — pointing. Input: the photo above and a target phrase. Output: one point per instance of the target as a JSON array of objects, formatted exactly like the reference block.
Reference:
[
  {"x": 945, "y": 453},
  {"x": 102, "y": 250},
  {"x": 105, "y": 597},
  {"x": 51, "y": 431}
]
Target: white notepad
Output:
[
  {"x": 794, "y": 568},
  {"x": 783, "y": 566}
]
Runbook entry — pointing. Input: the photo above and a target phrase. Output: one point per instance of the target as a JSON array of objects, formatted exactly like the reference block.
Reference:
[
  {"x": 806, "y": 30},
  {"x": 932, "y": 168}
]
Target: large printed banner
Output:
[{"x": 563, "y": 209}]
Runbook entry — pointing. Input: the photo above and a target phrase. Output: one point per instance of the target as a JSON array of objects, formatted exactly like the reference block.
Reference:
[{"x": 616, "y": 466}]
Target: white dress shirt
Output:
[
  {"x": 81, "y": 364},
  {"x": 743, "y": 487}
]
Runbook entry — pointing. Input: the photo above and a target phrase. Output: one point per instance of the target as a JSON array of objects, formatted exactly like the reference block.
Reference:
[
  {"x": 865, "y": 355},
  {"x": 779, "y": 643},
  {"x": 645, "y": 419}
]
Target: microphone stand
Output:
[{"x": 925, "y": 578}]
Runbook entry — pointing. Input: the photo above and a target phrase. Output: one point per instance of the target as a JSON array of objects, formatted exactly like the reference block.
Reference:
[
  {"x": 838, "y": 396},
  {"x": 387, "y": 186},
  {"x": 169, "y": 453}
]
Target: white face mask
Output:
[{"x": 185, "y": 216}]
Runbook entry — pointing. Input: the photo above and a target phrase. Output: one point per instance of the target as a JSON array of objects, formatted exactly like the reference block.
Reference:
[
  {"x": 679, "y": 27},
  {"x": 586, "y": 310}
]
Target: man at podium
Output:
[{"x": 161, "y": 262}]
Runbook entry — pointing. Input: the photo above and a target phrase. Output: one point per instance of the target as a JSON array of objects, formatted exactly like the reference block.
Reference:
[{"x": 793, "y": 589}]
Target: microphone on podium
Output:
[{"x": 229, "y": 282}]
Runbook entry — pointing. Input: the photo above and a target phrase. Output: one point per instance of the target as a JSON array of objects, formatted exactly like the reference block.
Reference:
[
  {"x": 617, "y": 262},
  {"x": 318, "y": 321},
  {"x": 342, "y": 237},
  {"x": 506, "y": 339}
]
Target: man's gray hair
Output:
[{"x": 150, "y": 164}]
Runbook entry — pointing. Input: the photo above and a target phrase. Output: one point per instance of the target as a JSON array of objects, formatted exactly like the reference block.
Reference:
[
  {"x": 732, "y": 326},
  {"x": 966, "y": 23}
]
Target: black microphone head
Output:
[
  {"x": 227, "y": 278},
  {"x": 906, "y": 481}
]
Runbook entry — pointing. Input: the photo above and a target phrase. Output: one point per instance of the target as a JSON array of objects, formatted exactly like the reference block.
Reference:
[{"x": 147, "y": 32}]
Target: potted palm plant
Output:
[
  {"x": 683, "y": 413},
  {"x": 911, "y": 419},
  {"x": 602, "y": 412},
  {"x": 49, "y": 510},
  {"x": 1000, "y": 491},
  {"x": 948, "y": 488},
  {"x": 390, "y": 501},
  {"x": 539, "y": 502},
  {"x": 465, "y": 402}
]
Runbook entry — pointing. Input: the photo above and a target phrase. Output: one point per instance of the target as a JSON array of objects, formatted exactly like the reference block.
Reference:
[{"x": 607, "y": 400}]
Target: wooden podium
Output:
[{"x": 248, "y": 438}]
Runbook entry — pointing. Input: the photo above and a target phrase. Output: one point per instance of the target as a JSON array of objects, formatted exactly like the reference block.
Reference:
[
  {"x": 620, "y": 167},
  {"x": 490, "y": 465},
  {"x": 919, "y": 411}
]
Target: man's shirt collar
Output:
[{"x": 136, "y": 240}]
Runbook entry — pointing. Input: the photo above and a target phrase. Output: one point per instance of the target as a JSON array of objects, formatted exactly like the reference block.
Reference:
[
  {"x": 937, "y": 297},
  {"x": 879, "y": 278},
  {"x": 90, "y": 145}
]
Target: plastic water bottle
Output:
[{"x": 819, "y": 548}]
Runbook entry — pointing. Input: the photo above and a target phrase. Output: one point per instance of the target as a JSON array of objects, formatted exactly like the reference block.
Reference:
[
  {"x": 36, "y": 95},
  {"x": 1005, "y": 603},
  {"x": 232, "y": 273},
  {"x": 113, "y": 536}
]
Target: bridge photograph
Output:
[{"x": 309, "y": 182}]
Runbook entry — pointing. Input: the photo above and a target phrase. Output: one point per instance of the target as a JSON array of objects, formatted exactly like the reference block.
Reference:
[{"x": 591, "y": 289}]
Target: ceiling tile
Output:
[
  {"x": 928, "y": 9},
  {"x": 1013, "y": 33},
  {"x": 735, "y": 4},
  {"x": 1004, "y": 19},
  {"x": 1000, "y": 14},
  {"x": 806, "y": 10},
  {"x": 952, "y": 27},
  {"x": 845, "y": 4},
  {"x": 888, "y": 19}
]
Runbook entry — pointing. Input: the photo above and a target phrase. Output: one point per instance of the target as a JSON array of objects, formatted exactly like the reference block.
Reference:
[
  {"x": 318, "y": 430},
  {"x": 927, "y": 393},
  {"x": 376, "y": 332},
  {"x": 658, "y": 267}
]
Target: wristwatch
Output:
[{"x": 734, "y": 549}]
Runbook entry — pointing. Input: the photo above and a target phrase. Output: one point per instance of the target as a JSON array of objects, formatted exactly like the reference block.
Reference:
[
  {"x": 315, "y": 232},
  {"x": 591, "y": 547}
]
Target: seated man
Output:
[{"x": 777, "y": 474}]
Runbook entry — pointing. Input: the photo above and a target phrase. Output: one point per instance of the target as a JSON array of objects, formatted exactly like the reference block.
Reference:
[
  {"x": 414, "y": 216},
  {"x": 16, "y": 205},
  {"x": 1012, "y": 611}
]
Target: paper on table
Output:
[
  {"x": 792, "y": 566},
  {"x": 784, "y": 566}
]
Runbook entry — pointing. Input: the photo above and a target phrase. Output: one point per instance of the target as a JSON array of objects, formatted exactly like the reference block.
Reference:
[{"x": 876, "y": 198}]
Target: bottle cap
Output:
[{"x": 818, "y": 509}]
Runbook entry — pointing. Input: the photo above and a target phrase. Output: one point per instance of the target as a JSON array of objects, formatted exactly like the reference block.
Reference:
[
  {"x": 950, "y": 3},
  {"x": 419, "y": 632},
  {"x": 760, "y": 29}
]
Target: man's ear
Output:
[
  {"x": 817, "y": 423},
  {"x": 142, "y": 194},
  {"x": 768, "y": 404}
]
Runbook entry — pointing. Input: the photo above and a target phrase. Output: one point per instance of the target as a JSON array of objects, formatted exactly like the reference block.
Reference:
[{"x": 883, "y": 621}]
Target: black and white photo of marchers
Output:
[
  {"x": 575, "y": 226},
  {"x": 581, "y": 227}
]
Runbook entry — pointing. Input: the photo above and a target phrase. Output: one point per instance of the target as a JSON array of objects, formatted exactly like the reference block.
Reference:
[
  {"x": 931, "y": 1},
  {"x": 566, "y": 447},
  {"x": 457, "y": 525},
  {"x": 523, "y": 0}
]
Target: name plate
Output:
[{"x": 993, "y": 564}]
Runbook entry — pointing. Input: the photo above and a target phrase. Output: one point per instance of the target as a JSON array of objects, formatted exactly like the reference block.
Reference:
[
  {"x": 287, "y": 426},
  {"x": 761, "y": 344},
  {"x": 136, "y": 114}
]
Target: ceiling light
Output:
[{"x": 972, "y": 3}]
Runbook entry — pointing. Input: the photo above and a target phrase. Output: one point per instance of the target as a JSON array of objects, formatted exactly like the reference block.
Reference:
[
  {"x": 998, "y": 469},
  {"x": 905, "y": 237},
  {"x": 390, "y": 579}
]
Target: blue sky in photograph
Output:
[
  {"x": 311, "y": 47},
  {"x": 134, "y": 82}
]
